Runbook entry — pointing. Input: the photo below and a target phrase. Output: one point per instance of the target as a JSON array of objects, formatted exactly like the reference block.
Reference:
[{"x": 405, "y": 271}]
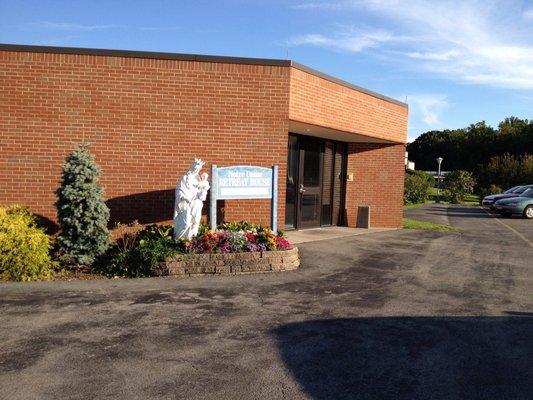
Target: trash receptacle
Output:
[{"x": 363, "y": 217}]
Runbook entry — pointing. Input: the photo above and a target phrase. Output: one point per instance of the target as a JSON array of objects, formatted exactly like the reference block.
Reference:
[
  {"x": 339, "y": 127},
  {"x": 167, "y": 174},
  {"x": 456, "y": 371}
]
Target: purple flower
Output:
[
  {"x": 225, "y": 248},
  {"x": 250, "y": 247}
]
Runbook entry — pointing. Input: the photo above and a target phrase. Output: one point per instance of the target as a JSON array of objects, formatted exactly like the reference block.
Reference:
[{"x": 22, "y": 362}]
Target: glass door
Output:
[
  {"x": 310, "y": 182},
  {"x": 316, "y": 170}
]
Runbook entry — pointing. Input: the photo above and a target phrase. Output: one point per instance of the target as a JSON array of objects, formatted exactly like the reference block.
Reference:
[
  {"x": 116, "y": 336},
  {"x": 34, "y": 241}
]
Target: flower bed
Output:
[
  {"x": 236, "y": 238},
  {"x": 236, "y": 247}
]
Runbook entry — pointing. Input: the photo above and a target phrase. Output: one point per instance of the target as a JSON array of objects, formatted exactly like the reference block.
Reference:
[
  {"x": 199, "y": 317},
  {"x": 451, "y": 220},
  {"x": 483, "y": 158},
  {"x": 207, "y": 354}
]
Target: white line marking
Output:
[{"x": 525, "y": 239}]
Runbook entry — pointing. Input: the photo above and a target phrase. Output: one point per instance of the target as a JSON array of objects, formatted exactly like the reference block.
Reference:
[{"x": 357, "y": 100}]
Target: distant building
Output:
[
  {"x": 409, "y": 165},
  {"x": 434, "y": 174}
]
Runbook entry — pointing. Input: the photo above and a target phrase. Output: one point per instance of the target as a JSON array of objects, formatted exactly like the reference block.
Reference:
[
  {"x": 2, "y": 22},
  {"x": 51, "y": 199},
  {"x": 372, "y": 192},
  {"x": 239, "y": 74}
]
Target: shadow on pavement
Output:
[
  {"x": 411, "y": 357},
  {"x": 463, "y": 212}
]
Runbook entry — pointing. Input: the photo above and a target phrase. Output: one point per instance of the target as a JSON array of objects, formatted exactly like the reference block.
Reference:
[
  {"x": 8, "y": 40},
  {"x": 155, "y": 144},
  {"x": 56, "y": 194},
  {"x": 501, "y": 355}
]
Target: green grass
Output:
[
  {"x": 471, "y": 200},
  {"x": 411, "y": 206},
  {"x": 409, "y": 223}
]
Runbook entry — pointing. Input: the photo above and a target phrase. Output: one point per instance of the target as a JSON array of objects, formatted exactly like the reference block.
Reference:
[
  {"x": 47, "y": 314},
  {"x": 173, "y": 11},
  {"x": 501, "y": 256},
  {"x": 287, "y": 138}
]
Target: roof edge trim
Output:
[{"x": 143, "y": 54}]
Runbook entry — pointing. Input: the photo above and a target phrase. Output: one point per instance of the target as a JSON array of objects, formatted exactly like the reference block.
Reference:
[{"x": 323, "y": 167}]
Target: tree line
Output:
[
  {"x": 494, "y": 159},
  {"x": 473, "y": 147}
]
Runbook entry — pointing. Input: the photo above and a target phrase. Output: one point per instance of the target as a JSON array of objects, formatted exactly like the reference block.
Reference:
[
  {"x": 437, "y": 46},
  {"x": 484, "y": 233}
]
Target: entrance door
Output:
[
  {"x": 310, "y": 182},
  {"x": 316, "y": 170}
]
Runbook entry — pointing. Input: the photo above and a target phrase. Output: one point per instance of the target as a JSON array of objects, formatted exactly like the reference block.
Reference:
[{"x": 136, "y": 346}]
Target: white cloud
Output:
[
  {"x": 428, "y": 108},
  {"x": 352, "y": 41},
  {"x": 425, "y": 112},
  {"x": 487, "y": 42},
  {"x": 435, "y": 56}
]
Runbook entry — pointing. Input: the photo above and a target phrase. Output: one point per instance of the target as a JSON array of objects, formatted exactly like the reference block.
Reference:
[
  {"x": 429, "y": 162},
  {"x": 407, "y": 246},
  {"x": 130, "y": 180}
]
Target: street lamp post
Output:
[{"x": 439, "y": 162}]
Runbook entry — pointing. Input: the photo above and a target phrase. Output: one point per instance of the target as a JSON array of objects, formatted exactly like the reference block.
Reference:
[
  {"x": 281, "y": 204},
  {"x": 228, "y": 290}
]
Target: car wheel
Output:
[{"x": 528, "y": 212}]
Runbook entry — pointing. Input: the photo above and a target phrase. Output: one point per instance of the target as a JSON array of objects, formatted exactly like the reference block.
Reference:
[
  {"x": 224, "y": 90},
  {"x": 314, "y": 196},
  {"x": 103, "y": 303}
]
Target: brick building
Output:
[{"x": 146, "y": 115}]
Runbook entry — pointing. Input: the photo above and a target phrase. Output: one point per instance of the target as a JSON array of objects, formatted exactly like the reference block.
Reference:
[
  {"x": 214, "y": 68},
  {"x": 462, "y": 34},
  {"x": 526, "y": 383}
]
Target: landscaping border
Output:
[{"x": 230, "y": 263}]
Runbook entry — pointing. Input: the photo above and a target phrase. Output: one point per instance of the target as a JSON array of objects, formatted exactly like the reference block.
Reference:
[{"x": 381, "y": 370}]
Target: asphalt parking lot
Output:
[
  {"x": 461, "y": 216},
  {"x": 389, "y": 315}
]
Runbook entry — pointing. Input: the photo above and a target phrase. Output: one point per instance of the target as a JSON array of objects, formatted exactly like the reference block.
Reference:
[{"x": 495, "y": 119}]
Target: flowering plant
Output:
[
  {"x": 237, "y": 237},
  {"x": 282, "y": 243}
]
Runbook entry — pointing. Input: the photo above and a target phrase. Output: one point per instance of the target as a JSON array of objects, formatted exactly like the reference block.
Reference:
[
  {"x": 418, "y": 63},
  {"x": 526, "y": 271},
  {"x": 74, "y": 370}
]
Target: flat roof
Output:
[{"x": 193, "y": 57}]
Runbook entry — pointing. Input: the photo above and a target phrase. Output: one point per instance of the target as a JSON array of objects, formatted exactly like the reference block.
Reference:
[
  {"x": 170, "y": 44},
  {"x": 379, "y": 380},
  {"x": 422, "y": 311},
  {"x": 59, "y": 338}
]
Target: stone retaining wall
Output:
[{"x": 232, "y": 263}]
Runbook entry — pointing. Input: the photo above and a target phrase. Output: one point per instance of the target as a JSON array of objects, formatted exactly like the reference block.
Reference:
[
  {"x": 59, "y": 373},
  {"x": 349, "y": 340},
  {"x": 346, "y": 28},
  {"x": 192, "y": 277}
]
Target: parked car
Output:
[
  {"x": 488, "y": 201},
  {"x": 522, "y": 204}
]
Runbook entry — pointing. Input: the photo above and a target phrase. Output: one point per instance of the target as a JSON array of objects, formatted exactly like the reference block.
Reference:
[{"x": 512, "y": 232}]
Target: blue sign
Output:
[{"x": 244, "y": 183}]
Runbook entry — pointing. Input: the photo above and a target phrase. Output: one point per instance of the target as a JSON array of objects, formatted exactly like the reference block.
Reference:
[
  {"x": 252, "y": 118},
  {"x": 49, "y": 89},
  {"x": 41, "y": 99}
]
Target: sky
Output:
[{"x": 454, "y": 62}]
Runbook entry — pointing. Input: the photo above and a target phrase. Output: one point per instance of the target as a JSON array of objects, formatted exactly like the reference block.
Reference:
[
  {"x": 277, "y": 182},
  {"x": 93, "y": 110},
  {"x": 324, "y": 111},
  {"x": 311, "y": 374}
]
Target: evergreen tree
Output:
[{"x": 81, "y": 209}]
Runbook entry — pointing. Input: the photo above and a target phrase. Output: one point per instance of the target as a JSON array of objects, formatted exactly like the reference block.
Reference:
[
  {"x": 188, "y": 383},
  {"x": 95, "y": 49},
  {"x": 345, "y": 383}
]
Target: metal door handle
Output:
[{"x": 302, "y": 190}]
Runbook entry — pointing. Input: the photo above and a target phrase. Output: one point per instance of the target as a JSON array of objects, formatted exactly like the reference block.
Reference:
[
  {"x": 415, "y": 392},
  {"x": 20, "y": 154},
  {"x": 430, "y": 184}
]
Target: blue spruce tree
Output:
[{"x": 81, "y": 209}]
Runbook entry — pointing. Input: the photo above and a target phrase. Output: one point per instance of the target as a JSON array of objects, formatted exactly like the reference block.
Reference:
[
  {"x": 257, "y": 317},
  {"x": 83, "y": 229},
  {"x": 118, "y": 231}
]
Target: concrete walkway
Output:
[{"x": 330, "y": 232}]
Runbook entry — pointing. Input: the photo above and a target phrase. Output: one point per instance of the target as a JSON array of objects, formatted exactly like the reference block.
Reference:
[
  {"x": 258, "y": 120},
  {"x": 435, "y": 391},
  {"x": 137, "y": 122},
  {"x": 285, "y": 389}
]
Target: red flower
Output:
[
  {"x": 283, "y": 243},
  {"x": 251, "y": 237}
]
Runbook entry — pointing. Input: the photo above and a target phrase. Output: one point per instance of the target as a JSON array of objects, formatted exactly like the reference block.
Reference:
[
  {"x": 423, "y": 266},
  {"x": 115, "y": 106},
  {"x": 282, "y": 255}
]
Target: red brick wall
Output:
[
  {"x": 318, "y": 101},
  {"x": 378, "y": 172},
  {"x": 146, "y": 120}
]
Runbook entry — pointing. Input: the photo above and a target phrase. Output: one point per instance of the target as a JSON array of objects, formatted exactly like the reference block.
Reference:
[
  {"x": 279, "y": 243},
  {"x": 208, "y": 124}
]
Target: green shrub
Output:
[
  {"x": 236, "y": 226},
  {"x": 458, "y": 184},
  {"x": 24, "y": 248},
  {"x": 492, "y": 189},
  {"x": 506, "y": 171},
  {"x": 417, "y": 188},
  {"x": 203, "y": 228},
  {"x": 81, "y": 210},
  {"x": 138, "y": 253}
]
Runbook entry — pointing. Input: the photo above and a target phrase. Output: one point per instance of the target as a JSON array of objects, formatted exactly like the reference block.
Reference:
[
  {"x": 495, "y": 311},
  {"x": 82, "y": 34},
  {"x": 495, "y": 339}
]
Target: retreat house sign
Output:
[{"x": 244, "y": 182}]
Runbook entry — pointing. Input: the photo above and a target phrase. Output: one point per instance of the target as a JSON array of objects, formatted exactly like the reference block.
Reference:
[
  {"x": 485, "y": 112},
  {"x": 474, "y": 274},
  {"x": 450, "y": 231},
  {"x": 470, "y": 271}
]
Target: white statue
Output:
[{"x": 191, "y": 192}]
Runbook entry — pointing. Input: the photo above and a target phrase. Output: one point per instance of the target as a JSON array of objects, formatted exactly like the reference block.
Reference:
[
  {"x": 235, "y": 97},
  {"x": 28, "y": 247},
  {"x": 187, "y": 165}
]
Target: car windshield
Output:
[
  {"x": 511, "y": 190},
  {"x": 521, "y": 189},
  {"x": 528, "y": 193}
]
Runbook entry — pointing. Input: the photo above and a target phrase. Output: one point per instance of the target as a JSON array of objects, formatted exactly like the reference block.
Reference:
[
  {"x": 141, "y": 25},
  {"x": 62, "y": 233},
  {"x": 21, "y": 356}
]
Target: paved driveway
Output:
[
  {"x": 462, "y": 216},
  {"x": 391, "y": 315}
]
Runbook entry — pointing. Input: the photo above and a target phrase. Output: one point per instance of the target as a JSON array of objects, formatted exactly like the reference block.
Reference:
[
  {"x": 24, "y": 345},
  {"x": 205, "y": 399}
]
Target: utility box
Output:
[{"x": 363, "y": 217}]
